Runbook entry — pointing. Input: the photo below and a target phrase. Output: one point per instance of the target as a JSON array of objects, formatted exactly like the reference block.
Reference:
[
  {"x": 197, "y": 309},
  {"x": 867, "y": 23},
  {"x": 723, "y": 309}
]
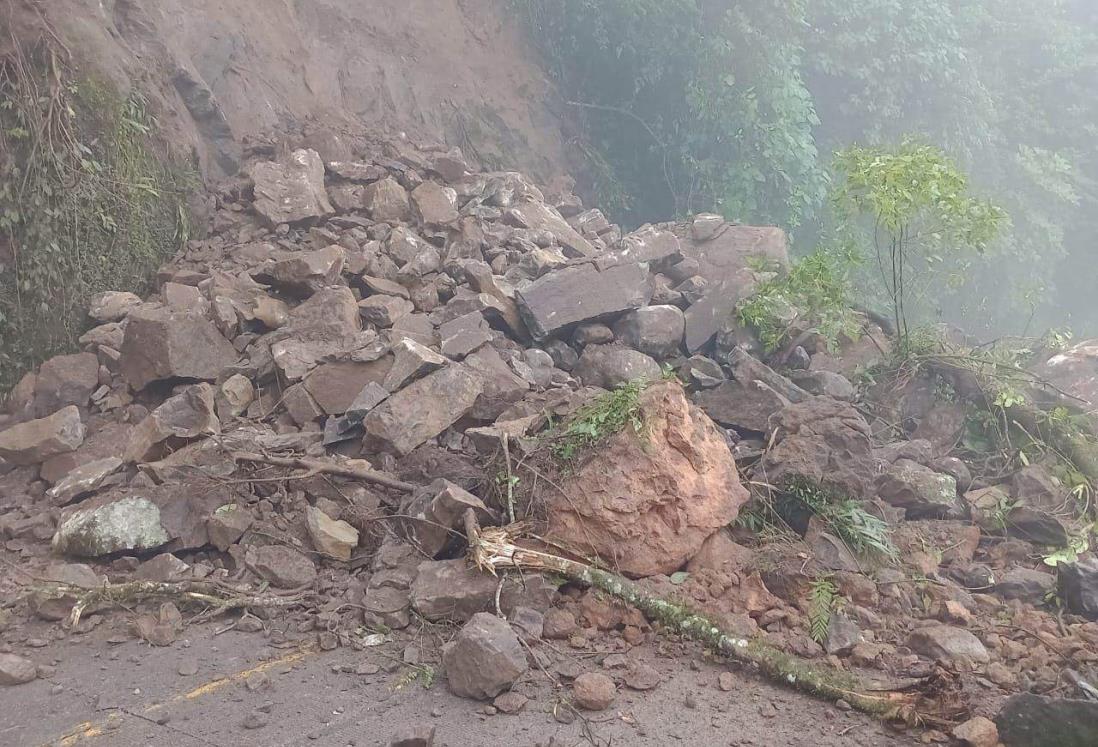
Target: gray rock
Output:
[
  {"x": 922, "y": 492},
  {"x": 592, "y": 334},
  {"x": 424, "y": 409},
  {"x": 15, "y": 670},
  {"x": 128, "y": 523},
  {"x": 843, "y": 634},
  {"x": 35, "y": 441},
  {"x": 500, "y": 386},
  {"x": 825, "y": 384},
  {"x": 537, "y": 216},
  {"x": 436, "y": 514},
  {"x": 1079, "y": 587},
  {"x": 384, "y": 311},
  {"x": 112, "y": 306},
  {"x": 414, "y": 736},
  {"x": 579, "y": 294},
  {"x": 609, "y": 366},
  {"x": 412, "y": 361},
  {"x": 335, "y": 386},
  {"x": 1028, "y": 720},
  {"x": 65, "y": 380},
  {"x": 188, "y": 415},
  {"x": 87, "y": 478},
  {"x": 702, "y": 372},
  {"x": 283, "y": 566},
  {"x": 302, "y": 274},
  {"x": 464, "y": 334},
  {"x": 334, "y": 538},
  {"x": 484, "y": 659},
  {"x": 434, "y": 205},
  {"x": 647, "y": 244},
  {"x": 653, "y": 330},
  {"x": 705, "y": 226},
  {"x": 949, "y": 643},
  {"x": 386, "y": 201},
  {"x": 291, "y": 191},
  {"x": 161, "y": 344},
  {"x": 1026, "y": 585},
  {"x": 564, "y": 356},
  {"x": 745, "y": 408}
]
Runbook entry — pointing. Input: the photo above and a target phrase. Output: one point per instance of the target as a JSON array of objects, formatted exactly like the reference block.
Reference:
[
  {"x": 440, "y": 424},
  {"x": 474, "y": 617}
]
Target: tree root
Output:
[
  {"x": 317, "y": 466},
  {"x": 490, "y": 550},
  {"x": 209, "y": 594}
]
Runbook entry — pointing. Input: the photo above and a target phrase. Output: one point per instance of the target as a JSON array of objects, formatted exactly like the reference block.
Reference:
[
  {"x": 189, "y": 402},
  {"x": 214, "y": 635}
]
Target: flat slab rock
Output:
[{"x": 580, "y": 294}]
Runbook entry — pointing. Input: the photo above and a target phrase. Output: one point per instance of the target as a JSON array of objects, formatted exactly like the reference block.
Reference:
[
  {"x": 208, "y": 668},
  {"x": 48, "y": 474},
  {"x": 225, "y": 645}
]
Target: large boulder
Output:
[
  {"x": 579, "y": 294},
  {"x": 162, "y": 344},
  {"x": 922, "y": 492},
  {"x": 304, "y": 273},
  {"x": 1029, "y": 720},
  {"x": 645, "y": 502},
  {"x": 291, "y": 191},
  {"x": 538, "y": 216},
  {"x": 65, "y": 380},
  {"x": 484, "y": 659},
  {"x": 823, "y": 441},
  {"x": 746, "y": 408},
  {"x": 37, "y": 440},
  {"x": 423, "y": 409}
]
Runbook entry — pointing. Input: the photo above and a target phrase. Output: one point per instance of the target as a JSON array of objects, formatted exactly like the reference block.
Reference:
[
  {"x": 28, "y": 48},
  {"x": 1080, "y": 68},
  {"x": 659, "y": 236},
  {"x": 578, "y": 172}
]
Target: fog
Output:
[{"x": 741, "y": 107}]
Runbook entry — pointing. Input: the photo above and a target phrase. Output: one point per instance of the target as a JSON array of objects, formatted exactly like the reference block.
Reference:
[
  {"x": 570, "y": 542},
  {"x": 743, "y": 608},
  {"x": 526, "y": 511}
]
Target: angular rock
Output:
[
  {"x": 65, "y": 380},
  {"x": 283, "y": 566},
  {"x": 824, "y": 441},
  {"x": 227, "y": 525},
  {"x": 161, "y": 344},
  {"x": 385, "y": 287},
  {"x": 15, "y": 670},
  {"x": 291, "y": 191},
  {"x": 164, "y": 568},
  {"x": 843, "y": 634},
  {"x": 465, "y": 334},
  {"x": 948, "y": 643},
  {"x": 334, "y": 386},
  {"x": 302, "y": 274},
  {"x": 128, "y": 523},
  {"x": 336, "y": 539},
  {"x": 537, "y": 216},
  {"x": 412, "y": 361},
  {"x": 824, "y": 384},
  {"x": 653, "y": 330},
  {"x": 500, "y": 386},
  {"x": 744, "y": 408},
  {"x": 1028, "y": 720},
  {"x": 647, "y": 244},
  {"x": 414, "y": 736},
  {"x": 451, "y": 590},
  {"x": 610, "y": 366},
  {"x": 580, "y": 294},
  {"x": 704, "y": 373},
  {"x": 716, "y": 305},
  {"x": 977, "y": 732},
  {"x": 436, "y": 513},
  {"x": 1032, "y": 587},
  {"x": 645, "y": 504},
  {"x": 384, "y": 311},
  {"x": 922, "y": 492},
  {"x": 1079, "y": 587},
  {"x": 386, "y": 201},
  {"x": 112, "y": 306},
  {"x": 300, "y": 405},
  {"x": 484, "y": 659},
  {"x": 87, "y": 478},
  {"x": 35, "y": 441},
  {"x": 705, "y": 226},
  {"x": 236, "y": 393},
  {"x": 188, "y": 415},
  {"x": 423, "y": 409},
  {"x": 434, "y": 205},
  {"x": 719, "y": 553}
]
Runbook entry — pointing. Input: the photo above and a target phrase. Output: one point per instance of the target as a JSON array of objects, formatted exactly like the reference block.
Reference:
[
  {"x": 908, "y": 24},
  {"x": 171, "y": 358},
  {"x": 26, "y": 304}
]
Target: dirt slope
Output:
[{"x": 224, "y": 70}]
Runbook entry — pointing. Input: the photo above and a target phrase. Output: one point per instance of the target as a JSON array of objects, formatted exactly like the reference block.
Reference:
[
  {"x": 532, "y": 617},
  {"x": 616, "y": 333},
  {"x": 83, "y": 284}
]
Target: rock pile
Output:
[{"x": 404, "y": 317}]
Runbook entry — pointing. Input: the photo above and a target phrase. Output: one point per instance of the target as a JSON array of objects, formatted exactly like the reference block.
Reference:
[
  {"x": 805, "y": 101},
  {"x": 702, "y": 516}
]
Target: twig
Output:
[{"x": 317, "y": 466}]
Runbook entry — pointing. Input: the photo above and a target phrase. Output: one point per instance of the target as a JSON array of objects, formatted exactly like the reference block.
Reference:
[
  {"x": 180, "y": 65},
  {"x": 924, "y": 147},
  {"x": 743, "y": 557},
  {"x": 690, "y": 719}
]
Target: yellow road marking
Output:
[{"x": 89, "y": 730}]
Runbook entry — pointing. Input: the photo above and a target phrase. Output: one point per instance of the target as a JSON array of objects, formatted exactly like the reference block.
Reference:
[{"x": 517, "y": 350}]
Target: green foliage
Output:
[
  {"x": 692, "y": 105},
  {"x": 86, "y": 205},
  {"x": 910, "y": 205},
  {"x": 606, "y": 415},
  {"x": 816, "y": 292},
  {"x": 863, "y": 533},
  {"x": 823, "y": 601}
]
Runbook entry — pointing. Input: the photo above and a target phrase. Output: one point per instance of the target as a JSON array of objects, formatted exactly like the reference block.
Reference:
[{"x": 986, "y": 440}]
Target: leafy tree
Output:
[{"x": 911, "y": 205}]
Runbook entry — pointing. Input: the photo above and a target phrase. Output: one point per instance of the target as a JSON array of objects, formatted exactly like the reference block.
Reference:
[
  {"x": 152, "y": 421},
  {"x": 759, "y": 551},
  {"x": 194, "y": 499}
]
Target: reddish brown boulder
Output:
[
  {"x": 65, "y": 380},
  {"x": 163, "y": 344},
  {"x": 37, "y": 440},
  {"x": 645, "y": 503}
]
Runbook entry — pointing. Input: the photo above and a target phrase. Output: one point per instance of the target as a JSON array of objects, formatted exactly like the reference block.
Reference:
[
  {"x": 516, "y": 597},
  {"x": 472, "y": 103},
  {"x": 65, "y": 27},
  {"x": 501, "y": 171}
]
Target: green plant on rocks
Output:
[
  {"x": 86, "y": 202},
  {"x": 598, "y": 420}
]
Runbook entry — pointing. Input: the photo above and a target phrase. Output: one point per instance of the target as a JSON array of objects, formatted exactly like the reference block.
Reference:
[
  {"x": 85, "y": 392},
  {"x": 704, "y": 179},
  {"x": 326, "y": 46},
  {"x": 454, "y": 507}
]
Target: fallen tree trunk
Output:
[
  {"x": 490, "y": 550},
  {"x": 317, "y": 466}
]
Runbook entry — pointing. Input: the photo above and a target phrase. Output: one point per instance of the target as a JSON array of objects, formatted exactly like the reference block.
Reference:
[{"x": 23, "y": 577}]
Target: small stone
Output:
[
  {"x": 726, "y": 682},
  {"x": 337, "y": 539},
  {"x": 978, "y": 732},
  {"x": 643, "y": 677},
  {"x": 15, "y": 670},
  {"x": 414, "y": 736},
  {"x": 593, "y": 691},
  {"x": 255, "y": 720},
  {"x": 559, "y": 624},
  {"x": 947, "y": 642},
  {"x": 188, "y": 668},
  {"x": 511, "y": 702}
]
